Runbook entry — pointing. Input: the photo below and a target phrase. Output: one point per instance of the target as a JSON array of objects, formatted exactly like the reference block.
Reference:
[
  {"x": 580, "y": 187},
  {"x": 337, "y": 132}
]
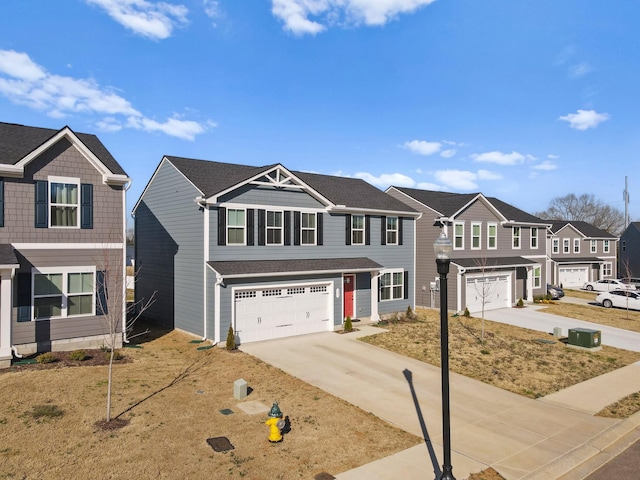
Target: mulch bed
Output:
[{"x": 95, "y": 357}]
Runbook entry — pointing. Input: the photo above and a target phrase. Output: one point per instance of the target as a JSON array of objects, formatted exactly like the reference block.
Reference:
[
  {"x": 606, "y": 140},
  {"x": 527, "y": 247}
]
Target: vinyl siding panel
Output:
[
  {"x": 254, "y": 195},
  {"x": 169, "y": 251}
]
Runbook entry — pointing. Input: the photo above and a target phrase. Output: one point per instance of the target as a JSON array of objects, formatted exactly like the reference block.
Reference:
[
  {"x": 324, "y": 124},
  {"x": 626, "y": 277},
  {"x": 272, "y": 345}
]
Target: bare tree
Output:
[
  {"x": 118, "y": 315},
  {"x": 486, "y": 288},
  {"x": 585, "y": 208}
]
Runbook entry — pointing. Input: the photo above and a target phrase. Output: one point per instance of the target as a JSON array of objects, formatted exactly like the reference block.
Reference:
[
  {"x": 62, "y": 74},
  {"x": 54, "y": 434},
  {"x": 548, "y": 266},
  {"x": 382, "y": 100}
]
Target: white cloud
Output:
[
  {"x": 464, "y": 179},
  {"x": 212, "y": 9},
  {"x": 584, "y": 119},
  {"x": 423, "y": 148},
  {"x": 513, "y": 158},
  {"x": 545, "y": 165},
  {"x": 295, "y": 13},
  {"x": 387, "y": 179},
  {"x": 24, "y": 82},
  {"x": 551, "y": 156},
  {"x": 429, "y": 186},
  {"x": 487, "y": 175},
  {"x": 450, "y": 152},
  {"x": 155, "y": 20},
  {"x": 580, "y": 69}
]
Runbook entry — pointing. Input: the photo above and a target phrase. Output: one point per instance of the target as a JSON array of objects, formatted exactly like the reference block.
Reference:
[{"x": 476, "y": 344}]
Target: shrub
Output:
[
  {"x": 78, "y": 355},
  {"x": 466, "y": 313},
  {"x": 231, "y": 339},
  {"x": 520, "y": 303},
  {"x": 46, "y": 357},
  {"x": 117, "y": 354},
  {"x": 348, "y": 326},
  {"x": 410, "y": 314}
]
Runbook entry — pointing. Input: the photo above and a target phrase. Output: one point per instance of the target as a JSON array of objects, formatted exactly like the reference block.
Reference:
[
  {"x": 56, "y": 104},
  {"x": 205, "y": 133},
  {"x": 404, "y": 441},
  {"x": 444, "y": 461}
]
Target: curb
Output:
[{"x": 588, "y": 457}]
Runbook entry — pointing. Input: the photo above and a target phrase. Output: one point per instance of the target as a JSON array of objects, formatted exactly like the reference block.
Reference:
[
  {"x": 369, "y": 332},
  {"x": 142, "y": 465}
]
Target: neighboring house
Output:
[
  {"x": 269, "y": 251},
  {"x": 579, "y": 252},
  {"x": 62, "y": 202},
  {"x": 630, "y": 251},
  {"x": 498, "y": 253}
]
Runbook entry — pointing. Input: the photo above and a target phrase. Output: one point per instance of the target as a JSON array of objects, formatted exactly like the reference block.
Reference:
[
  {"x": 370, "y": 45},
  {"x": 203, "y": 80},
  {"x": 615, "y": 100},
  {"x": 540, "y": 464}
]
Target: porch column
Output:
[
  {"x": 6, "y": 277},
  {"x": 375, "y": 278},
  {"x": 530, "y": 284}
]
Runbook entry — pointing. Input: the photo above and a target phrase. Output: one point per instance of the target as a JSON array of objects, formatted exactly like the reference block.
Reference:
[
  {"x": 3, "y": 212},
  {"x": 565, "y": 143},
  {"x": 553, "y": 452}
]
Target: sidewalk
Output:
[{"x": 520, "y": 437}]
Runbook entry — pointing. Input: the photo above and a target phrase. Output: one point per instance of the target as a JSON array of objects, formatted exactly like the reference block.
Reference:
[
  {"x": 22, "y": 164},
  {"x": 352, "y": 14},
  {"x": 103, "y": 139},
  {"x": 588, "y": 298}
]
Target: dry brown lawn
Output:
[
  {"x": 519, "y": 360},
  {"x": 172, "y": 395},
  {"x": 612, "y": 317}
]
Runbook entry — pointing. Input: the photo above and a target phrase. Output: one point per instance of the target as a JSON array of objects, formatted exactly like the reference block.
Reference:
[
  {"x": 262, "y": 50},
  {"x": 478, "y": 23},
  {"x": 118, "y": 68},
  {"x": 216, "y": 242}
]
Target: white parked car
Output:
[
  {"x": 606, "y": 285},
  {"x": 620, "y": 299}
]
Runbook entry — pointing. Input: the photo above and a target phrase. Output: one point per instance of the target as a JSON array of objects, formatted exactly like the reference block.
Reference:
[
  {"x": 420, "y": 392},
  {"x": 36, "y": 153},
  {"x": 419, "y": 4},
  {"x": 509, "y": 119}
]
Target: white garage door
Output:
[
  {"x": 266, "y": 313},
  {"x": 493, "y": 291},
  {"x": 573, "y": 276}
]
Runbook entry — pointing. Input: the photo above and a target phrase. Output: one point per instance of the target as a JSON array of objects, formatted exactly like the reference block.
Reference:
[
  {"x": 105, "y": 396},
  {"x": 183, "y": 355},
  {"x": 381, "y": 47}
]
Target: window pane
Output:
[
  {"x": 392, "y": 223},
  {"x": 358, "y": 221},
  {"x": 64, "y": 193},
  {"x": 236, "y": 218},
  {"x": 308, "y": 237},
  {"x": 47, "y": 307},
  {"x": 274, "y": 237},
  {"x": 64, "y": 216},
  {"x": 358, "y": 238},
  {"x": 274, "y": 219},
  {"x": 236, "y": 235},
  {"x": 391, "y": 238},
  {"x": 79, "y": 305},
  {"x": 308, "y": 220},
  {"x": 47, "y": 284},
  {"x": 80, "y": 283}
]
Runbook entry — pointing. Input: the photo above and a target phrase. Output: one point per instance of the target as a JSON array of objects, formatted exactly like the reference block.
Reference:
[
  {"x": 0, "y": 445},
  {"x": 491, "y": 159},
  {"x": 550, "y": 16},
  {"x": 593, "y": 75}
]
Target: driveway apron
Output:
[{"x": 515, "y": 435}]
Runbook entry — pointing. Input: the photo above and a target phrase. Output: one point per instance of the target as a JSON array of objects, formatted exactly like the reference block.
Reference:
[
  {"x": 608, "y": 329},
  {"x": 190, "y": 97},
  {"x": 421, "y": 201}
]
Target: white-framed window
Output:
[
  {"x": 516, "y": 232},
  {"x": 63, "y": 292},
  {"x": 392, "y": 230},
  {"x": 64, "y": 202},
  {"x": 492, "y": 236},
  {"x": 605, "y": 246},
  {"x": 458, "y": 236},
  {"x": 274, "y": 226},
  {"x": 555, "y": 245},
  {"x": 536, "y": 277},
  {"x": 476, "y": 231},
  {"x": 576, "y": 245},
  {"x": 606, "y": 269},
  {"x": 534, "y": 237},
  {"x": 307, "y": 228},
  {"x": 392, "y": 285},
  {"x": 594, "y": 246},
  {"x": 357, "y": 229},
  {"x": 566, "y": 245},
  {"x": 236, "y": 226}
]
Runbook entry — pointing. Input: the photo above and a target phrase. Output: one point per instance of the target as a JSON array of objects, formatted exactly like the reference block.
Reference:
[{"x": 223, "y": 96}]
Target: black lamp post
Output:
[{"x": 442, "y": 248}]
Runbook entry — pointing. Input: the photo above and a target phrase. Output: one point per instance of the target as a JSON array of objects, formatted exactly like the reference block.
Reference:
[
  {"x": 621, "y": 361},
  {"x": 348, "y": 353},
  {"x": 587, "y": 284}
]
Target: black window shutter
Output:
[
  {"x": 320, "y": 227},
  {"x": 406, "y": 284},
  {"x": 383, "y": 230},
  {"x": 250, "y": 225},
  {"x": 287, "y": 228},
  {"x": 399, "y": 230},
  {"x": 296, "y": 228},
  {"x": 42, "y": 207},
  {"x": 347, "y": 226},
  {"x": 262, "y": 233},
  {"x": 23, "y": 297},
  {"x": 367, "y": 230},
  {"x": 222, "y": 226},
  {"x": 86, "y": 205},
  {"x": 102, "y": 307}
]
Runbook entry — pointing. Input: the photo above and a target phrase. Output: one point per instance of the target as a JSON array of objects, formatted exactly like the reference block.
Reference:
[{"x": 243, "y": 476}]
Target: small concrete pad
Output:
[{"x": 253, "y": 408}]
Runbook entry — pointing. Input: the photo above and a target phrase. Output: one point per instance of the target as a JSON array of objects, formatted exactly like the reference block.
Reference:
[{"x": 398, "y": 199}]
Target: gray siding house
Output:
[
  {"x": 499, "y": 252},
  {"x": 62, "y": 203},
  {"x": 579, "y": 253},
  {"x": 630, "y": 251},
  {"x": 269, "y": 251}
]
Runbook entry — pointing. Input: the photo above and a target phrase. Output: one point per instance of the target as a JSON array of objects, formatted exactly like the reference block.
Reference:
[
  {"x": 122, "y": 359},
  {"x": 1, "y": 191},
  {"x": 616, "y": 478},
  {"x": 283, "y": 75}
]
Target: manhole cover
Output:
[{"x": 220, "y": 444}]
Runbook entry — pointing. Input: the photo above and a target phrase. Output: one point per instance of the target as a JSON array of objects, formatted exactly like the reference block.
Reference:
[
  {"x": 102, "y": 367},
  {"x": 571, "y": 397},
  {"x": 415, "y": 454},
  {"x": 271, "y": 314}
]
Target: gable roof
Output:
[
  {"x": 585, "y": 228},
  {"x": 213, "y": 178},
  {"x": 448, "y": 204},
  {"x": 19, "y": 144}
]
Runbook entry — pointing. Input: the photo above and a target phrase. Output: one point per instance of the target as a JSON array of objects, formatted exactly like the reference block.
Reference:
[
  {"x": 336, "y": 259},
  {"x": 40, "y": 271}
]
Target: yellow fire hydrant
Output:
[{"x": 275, "y": 423}]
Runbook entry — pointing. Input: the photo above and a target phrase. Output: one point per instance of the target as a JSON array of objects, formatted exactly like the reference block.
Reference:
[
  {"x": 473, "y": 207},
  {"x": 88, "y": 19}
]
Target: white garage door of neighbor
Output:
[
  {"x": 572, "y": 276},
  {"x": 266, "y": 313},
  {"x": 493, "y": 290}
]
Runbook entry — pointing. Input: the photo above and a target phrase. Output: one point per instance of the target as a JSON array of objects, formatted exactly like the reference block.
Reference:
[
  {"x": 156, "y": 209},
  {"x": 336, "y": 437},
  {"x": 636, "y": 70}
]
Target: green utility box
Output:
[{"x": 584, "y": 337}]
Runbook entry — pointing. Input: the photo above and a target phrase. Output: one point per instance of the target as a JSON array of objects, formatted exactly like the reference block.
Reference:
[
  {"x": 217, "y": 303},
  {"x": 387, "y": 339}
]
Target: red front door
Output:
[{"x": 349, "y": 287}]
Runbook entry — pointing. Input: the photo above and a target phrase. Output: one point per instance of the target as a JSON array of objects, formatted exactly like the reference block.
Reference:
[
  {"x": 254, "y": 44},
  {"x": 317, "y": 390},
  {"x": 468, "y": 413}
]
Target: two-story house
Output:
[
  {"x": 269, "y": 251},
  {"x": 579, "y": 253},
  {"x": 498, "y": 256},
  {"x": 630, "y": 251},
  {"x": 62, "y": 203}
]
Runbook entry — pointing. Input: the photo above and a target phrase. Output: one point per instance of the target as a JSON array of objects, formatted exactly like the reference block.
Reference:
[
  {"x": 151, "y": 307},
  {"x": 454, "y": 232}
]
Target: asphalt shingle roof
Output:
[
  {"x": 17, "y": 141},
  {"x": 257, "y": 267},
  {"x": 212, "y": 178},
  {"x": 7, "y": 255},
  {"x": 585, "y": 228}
]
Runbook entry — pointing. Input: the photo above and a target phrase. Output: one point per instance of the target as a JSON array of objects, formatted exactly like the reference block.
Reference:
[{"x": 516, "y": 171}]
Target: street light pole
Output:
[{"x": 442, "y": 248}]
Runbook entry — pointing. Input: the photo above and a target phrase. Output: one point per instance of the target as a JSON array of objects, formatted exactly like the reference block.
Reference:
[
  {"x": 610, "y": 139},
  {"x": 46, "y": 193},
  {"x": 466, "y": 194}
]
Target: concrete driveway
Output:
[{"x": 519, "y": 437}]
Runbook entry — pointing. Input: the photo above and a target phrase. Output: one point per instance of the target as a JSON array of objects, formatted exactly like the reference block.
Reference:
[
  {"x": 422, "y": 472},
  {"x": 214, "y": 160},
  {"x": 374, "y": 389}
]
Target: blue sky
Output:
[{"x": 525, "y": 101}]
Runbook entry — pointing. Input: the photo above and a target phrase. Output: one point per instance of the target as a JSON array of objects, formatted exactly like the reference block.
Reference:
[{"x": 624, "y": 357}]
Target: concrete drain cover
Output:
[
  {"x": 220, "y": 444},
  {"x": 324, "y": 476},
  {"x": 226, "y": 411}
]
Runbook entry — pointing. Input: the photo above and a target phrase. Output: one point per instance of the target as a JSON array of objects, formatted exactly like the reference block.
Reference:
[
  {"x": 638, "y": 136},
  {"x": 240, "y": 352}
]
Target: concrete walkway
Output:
[{"x": 520, "y": 437}]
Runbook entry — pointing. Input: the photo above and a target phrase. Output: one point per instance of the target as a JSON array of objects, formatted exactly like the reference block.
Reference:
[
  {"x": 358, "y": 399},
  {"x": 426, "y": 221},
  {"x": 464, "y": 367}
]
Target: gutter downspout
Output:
[
  {"x": 205, "y": 253},
  {"x": 14, "y": 349},
  {"x": 126, "y": 187},
  {"x": 216, "y": 315},
  {"x": 459, "y": 280}
]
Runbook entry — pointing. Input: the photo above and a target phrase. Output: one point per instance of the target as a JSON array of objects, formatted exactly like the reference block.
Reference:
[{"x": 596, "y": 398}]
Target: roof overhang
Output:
[
  {"x": 577, "y": 260},
  {"x": 493, "y": 262}
]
